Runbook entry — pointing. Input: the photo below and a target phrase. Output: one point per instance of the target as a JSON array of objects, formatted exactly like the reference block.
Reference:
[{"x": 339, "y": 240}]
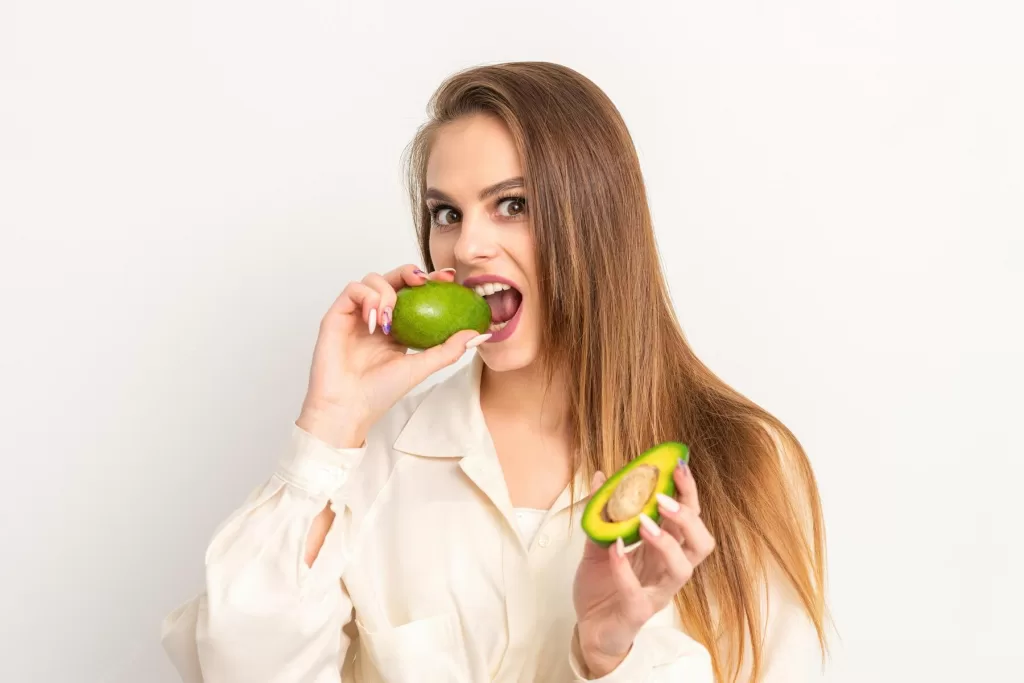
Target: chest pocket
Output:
[{"x": 422, "y": 651}]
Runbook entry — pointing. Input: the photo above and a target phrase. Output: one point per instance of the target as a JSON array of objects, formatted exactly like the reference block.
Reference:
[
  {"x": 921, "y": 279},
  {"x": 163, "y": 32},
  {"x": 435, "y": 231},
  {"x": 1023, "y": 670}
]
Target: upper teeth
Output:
[{"x": 490, "y": 288}]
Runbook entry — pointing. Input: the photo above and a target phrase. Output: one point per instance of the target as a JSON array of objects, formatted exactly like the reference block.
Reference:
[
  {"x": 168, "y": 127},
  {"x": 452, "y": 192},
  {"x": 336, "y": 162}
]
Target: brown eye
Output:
[
  {"x": 444, "y": 215},
  {"x": 512, "y": 207}
]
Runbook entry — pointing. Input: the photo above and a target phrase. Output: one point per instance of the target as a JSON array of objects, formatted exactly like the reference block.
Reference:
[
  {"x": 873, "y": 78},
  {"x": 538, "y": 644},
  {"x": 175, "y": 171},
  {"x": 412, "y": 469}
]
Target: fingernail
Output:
[
  {"x": 385, "y": 320},
  {"x": 447, "y": 270},
  {"x": 419, "y": 272},
  {"x": 670, "y": 504},
  {"x": 620, "y": 547},
  {"x": 478, "y": 340},
  {"x": 372, "y": 323},
  {"x": 683, "y": 467},
  {"x": 648, "y": 523}
]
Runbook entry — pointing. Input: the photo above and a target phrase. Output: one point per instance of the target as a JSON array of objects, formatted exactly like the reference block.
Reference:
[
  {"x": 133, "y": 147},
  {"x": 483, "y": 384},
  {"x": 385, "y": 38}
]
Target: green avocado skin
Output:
[{"x": 426, "y": 315}]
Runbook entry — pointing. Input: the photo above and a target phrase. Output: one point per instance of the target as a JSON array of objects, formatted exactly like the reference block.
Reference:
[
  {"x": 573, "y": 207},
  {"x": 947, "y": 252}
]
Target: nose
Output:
[{"x": 478, "y": 239}]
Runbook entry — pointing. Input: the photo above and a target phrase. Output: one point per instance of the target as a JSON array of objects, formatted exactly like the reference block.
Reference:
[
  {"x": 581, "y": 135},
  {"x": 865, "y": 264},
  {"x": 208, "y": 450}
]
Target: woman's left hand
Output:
[{"x": 615, "y": 593}]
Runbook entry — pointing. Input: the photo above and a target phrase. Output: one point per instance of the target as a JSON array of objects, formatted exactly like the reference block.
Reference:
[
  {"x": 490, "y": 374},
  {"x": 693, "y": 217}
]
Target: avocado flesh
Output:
[
  {"x": 426, "y": 315},
  {"x": 604, "y": 522}
]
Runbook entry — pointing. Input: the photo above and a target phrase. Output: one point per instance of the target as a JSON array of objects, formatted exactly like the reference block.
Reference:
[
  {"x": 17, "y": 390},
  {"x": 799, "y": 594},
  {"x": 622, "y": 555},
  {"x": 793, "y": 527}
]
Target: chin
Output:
[{"x": 507, "y": 355}]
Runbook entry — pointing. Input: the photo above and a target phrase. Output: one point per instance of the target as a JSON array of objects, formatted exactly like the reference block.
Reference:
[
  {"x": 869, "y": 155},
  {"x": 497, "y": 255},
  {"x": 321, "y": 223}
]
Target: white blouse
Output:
[
  {"x": 529, "y": 521},
  {"x": 427, "y": 573}
]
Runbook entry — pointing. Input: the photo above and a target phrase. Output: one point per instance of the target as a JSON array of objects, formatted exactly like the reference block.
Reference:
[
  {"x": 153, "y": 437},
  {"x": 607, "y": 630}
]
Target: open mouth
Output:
[{"x": 505, "y": 302}]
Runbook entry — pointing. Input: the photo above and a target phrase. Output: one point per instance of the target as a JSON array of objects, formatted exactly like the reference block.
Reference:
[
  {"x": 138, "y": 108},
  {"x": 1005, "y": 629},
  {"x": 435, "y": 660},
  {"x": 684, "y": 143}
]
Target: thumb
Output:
[{"x": 441, "y": 356}]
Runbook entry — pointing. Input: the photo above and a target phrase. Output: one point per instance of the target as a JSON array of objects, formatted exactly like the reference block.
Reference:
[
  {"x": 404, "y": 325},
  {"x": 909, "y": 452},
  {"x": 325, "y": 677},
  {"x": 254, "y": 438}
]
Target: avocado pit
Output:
[
  {"x": 614, "y": 509},
  {"x": 631, "y": 495}
]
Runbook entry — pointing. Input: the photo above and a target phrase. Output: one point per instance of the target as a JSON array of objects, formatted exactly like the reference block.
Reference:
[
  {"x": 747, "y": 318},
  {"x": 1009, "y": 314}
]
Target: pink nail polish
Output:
[
  {"x": 478, "y": 340},
  {"x": 670, "y": 504},
  {"x": 620, "y": 547},
  {"x": 648, "y": 524}
]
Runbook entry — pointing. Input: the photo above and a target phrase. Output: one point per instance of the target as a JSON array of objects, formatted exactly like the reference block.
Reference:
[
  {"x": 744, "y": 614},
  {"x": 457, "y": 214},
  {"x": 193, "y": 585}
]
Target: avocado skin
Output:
[
  {"x": 426, "y": 315},
  {"x": 665, "y": 457}
]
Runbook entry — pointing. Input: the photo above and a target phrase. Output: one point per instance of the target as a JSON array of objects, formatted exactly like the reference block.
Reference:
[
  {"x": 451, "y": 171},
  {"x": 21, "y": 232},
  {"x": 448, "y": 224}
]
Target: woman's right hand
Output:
[{"x": 358, "y": 370}]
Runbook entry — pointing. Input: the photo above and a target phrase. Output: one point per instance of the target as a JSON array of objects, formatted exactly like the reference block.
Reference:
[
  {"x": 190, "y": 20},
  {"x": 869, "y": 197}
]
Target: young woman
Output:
[{"x": 435, "y": 536}]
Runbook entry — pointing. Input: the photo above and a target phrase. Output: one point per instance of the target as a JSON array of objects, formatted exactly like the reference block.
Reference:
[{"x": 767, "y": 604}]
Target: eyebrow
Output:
[{"x": 497, "y": 188}]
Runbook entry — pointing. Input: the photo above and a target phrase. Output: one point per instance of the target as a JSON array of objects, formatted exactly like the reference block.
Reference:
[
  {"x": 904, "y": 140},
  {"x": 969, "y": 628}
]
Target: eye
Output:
[
  {"x": 445, "y": 215},
  {"x": 512, "y": 207}
]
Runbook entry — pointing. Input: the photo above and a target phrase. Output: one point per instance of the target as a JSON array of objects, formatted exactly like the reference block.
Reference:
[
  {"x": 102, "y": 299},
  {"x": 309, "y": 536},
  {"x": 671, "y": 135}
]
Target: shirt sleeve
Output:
[
  {"x": 265, "y": 615},
  {"x": 662, "y": 653}
]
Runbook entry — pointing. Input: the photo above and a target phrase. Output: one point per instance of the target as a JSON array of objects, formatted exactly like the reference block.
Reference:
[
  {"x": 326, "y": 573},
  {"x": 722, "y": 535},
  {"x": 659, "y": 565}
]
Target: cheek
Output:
[
  {"x": 521, "y": 248},
  {"x": 442, "y": 251}
]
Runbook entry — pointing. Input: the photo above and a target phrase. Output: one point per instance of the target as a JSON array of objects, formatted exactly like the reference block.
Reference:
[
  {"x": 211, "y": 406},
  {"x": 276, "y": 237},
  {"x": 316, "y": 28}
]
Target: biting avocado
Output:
[
  {"x": 426, "y": 315},
  {"x": 614, "y": 509}
]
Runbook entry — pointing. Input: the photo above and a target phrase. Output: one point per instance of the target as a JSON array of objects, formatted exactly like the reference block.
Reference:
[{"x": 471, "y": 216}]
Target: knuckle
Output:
[
  {"x": 704, "y": 546},
  {"x": 678, "y": 517},
  {"x": 688, "y": 516},
  {"x": 682, "y": 571}
]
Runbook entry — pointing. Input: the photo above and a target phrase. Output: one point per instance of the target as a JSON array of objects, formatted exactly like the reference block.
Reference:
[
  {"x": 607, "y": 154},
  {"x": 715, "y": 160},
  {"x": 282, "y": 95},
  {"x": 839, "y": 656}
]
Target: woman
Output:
[{"x": 436, "y": 537}]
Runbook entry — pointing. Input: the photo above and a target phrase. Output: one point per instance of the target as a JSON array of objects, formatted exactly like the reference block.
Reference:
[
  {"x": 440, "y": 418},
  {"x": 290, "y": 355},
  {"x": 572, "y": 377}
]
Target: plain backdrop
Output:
[{"x": 186, "y": 186}]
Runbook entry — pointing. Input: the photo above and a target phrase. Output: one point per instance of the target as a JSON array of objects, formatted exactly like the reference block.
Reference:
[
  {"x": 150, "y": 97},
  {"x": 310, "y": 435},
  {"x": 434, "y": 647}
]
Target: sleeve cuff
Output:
[
  {"x": 632, "y": 669},
  {"x": 654, "y": 648},
  {"x": 314, "y": 466}
]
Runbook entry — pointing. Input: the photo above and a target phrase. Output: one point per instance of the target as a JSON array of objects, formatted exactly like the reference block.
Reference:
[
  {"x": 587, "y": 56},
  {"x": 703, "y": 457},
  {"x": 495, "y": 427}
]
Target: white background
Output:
[{"x": 185, "y": 186}]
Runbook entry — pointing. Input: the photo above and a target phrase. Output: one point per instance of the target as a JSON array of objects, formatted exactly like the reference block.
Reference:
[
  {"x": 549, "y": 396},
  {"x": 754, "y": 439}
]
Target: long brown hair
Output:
[{"x": 635, "y": 381}]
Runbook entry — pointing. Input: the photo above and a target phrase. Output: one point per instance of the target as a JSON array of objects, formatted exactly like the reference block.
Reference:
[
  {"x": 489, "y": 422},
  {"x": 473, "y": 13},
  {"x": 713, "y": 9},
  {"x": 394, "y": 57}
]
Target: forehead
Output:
[{"x": 472, "y": 153}]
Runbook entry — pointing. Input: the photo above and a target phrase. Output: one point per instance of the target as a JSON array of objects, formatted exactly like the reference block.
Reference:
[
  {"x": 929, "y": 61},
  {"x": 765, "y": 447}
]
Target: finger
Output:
[
  {"x": 424, "y": 364},
  {"x": 668, "y": 509},
  {"x": 445, "y": 274},
  {"x": 408, "y": 275},
  {"x": 386, "y": 304},
  {"x": 686, "y": 487},
  {"x": 676, "y": 568},
  {"x": 597, "y": 480},
  {"x": 634, "y": 601},
  {"x": 594, "y": 552},
  {"x": 690, "y": 531}
]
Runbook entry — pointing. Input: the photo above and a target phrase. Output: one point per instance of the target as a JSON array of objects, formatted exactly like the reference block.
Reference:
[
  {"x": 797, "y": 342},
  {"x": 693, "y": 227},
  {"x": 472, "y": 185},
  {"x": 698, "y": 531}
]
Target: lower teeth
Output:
[{"x": 498, "y": 326}]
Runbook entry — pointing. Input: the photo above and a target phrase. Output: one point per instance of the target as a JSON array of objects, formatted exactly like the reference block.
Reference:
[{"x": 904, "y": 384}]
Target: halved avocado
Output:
[{"x": 614, "y": 509}]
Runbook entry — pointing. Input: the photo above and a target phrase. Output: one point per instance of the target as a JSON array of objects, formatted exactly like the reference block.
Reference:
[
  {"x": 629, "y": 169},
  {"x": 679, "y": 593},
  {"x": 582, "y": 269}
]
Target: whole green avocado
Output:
[{"x": 426, "y": 315}]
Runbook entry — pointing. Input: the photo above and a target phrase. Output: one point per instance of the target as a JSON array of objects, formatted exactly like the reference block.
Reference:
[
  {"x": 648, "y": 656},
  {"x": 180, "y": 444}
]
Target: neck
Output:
[{"x": 524, "y": 395}]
